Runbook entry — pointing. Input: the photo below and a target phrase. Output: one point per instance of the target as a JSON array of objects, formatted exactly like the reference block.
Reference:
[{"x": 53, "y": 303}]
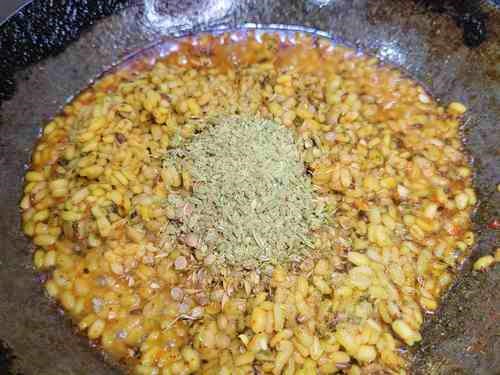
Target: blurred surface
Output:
[{"x": 9, "y": 7}]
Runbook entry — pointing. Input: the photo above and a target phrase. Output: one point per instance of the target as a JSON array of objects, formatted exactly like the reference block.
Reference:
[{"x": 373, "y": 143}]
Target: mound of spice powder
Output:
[{"x": 252, "y": 202}]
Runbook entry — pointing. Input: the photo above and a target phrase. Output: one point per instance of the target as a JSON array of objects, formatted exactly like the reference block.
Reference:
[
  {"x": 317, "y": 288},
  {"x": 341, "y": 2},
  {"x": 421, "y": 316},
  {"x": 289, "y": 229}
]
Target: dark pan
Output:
[{"x": 50, "y": 50}]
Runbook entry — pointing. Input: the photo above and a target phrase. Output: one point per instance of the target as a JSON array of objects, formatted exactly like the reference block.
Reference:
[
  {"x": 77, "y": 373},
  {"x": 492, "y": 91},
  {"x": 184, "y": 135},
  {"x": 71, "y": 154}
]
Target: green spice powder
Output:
[{"x": 252, "y": 202}]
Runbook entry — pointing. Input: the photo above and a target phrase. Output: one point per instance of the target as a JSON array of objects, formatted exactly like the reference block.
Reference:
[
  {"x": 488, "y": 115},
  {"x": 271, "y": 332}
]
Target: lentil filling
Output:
[{"x": 169, "y": 207}]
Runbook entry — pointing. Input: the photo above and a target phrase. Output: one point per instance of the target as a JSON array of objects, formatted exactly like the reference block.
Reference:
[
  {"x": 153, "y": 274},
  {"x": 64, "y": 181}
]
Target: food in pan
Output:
[{"x": 250, "y": 204}]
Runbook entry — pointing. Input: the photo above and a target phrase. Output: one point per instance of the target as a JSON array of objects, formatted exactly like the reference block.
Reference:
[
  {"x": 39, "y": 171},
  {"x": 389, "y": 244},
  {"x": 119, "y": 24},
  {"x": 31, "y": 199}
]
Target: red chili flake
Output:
[
  {"x": 495, "y": 224},
  {"x": 455, "y": 230}
]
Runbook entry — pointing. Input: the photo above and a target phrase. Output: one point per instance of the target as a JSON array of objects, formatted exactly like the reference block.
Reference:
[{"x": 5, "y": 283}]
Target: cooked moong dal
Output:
[{"x": 383, "y": 156}]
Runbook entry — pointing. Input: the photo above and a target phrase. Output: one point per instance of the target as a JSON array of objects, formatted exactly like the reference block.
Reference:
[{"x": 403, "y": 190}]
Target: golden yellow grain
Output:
[
  {"x": 68, "y": 300},
  {"x": 98, "y": 217},
  {"x": 71, "y": 216},
  {"x": 281, "y": 335},
  {"x": 405, "y": 332},
  {"x": 461, "y": 200},
  {"x": 52, "y": 288},
  {"x": 483, "y": 263},
  {"x": 258, "y": 320},
  {"x": 42, "y": 215},
  {"x": 96, "y": 329},
  {"x": 192, "y": 358},
  {"x": 44, "y": 240},
  {"x": 358, "y": 259},
  {"x": 366, "y": 353},
  {"x": 285, "y": 350},
  {"x": 104, "y": 226},
  {"x": 80, "y": 195},
  {"x": 39, "y": 259},
  {"x": 456, "y": 108},
  {"x": 347, "y": 341},
  {"x": 34, "y": 176},
  {"x": 244, "y": 359}
]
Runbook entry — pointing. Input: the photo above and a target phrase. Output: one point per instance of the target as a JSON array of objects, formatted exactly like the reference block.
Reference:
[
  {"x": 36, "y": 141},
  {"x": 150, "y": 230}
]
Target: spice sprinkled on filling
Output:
[
  {"x": 139, "y": 189},
  {"x": 251, "y": 201}
]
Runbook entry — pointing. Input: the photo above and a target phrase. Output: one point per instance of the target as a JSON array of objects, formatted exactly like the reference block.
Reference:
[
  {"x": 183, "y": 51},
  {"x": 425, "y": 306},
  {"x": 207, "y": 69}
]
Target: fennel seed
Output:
[{"x": 252, "y": 202}]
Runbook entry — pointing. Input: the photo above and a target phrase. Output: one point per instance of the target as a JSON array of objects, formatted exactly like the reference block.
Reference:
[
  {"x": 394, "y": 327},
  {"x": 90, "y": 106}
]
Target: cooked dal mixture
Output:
[{"x": 261, "y": 206}]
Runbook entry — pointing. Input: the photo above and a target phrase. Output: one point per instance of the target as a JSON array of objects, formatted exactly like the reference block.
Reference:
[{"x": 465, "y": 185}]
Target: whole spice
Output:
[{"x": 251, "y": 201}]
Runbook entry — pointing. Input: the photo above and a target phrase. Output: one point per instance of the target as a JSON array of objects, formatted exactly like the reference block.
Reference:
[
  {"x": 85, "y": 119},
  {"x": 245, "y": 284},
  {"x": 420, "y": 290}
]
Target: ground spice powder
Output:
[{"x": 252, "y": 202}]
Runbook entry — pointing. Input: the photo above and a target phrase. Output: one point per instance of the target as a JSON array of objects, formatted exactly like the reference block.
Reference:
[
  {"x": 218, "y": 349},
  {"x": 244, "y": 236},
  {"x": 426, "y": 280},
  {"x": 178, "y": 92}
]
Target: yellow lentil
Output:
[
  {"x": 386, "y": 160},
  {"x": 483, "y": 262}
]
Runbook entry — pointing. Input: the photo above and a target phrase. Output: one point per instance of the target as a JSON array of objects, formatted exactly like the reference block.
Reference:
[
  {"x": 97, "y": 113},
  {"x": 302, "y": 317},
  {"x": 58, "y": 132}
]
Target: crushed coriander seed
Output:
[{"x": 252, "y": 202}]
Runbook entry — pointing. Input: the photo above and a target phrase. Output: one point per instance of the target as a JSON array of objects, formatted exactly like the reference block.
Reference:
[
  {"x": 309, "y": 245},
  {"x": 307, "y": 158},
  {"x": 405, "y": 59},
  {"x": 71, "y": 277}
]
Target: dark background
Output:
[{"x": 9, "y": 6}]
